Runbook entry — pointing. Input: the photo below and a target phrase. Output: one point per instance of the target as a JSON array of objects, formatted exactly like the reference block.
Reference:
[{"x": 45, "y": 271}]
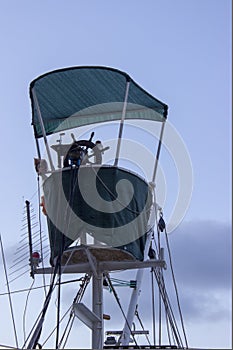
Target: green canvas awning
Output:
[{"x": 77, "y": 96}]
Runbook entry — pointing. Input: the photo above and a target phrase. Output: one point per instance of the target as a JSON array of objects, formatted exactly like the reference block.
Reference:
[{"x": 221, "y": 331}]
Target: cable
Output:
[
  {"x": 59, "y": 303},
  {"x": 39, "y": 218},
  {"x": 176, "y": 290},
  {"x": 77, "y": 299},
  {"x": 167, "y": 306},
  {"x": 39, "y": 287},
  {"x": 78, "y": 296},
  {"x": 37, "y": 332},
  {"x": 25, "y": 309},
  {"x": 9, "y": 293},
  {"x": 118, "y": 302},
  {"x": 153, "y": 306},
  {"x": 158, "y": 273},
  {"x": 140, "y": 321}
]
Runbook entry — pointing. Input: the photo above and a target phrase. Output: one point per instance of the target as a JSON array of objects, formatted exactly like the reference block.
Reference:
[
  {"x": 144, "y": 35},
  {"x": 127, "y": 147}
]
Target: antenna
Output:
[{"x": 29, "y": 236}]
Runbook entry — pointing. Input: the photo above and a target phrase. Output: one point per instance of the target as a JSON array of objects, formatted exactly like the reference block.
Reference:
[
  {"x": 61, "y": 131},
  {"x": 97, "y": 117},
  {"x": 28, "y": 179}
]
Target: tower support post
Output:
[{"x": 97, "y": 308}]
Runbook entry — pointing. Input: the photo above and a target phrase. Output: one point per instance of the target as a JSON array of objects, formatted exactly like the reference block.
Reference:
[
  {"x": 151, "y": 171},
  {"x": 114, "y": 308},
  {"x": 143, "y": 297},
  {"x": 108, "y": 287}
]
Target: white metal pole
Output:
[
  {"x": 97, "y": 308},
  {"x": 125, "y": 338},
  {"x": 43, "y": 129},
  {"x": 158, "y": 152},
  {"x": 122, "y": 124}
]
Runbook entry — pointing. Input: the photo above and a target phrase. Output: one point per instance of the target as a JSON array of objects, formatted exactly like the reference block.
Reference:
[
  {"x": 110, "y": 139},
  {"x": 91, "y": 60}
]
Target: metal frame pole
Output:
[
  {"x": 126, "y": 333},
  {"x": 158, "y": 152},
  {"x": 43, "y": 129},
  {"x": 122, "y": 123},
  {"x": 97, "y": 309}
]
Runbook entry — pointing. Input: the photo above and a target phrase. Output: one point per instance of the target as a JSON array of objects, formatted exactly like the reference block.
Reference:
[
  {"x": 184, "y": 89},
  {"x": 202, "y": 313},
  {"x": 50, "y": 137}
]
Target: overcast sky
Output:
[{"x": 180, "y": 52}]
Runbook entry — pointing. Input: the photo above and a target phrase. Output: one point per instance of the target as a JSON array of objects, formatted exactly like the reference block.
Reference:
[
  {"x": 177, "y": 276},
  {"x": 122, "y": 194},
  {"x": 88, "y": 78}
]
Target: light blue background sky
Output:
[{"x": 179, "y": 51}]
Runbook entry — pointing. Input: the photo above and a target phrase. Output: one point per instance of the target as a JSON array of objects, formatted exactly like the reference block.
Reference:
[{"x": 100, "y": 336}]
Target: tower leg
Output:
[{"x": 97, "y": 308}]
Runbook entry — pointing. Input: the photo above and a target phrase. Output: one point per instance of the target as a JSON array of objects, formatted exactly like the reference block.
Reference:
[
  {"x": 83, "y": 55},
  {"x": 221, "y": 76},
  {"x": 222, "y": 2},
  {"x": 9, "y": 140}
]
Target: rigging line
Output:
[
  {"x": 167, "y": 306},
  {"x": 58, "y": 302},
  {"x": 71, "y": 325},
  {"x": 25, "y": 309},
  {"x": 168, "y": 331},
  {"x": 85, "y": 280},
  {"x": 51, "y": 333},
  {"x": 169, "y": 313},
  {"x": 39, "y": 287},
  {"x": 141, "y": 324},
  {"x": 176, "y": 289},
  {"x": 77, "y": 298},
  {"x": 118, "y": 302},
  {"x": 153, "y": 306},
  {"x": 40, "y": 232},
  {"x": 160, "y": 303},
  {"x": 37, "y": 332},
  {"x": 9, "y": 294}
]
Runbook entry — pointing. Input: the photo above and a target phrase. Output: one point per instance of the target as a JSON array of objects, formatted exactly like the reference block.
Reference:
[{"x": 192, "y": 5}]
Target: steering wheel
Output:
[{"x": 78, "y": 153}]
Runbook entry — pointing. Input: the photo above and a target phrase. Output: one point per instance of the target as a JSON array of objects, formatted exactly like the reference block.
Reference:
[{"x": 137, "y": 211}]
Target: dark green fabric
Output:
[
  {"x": 78, "y": 96},
  {"x": 124, "y": 226}
]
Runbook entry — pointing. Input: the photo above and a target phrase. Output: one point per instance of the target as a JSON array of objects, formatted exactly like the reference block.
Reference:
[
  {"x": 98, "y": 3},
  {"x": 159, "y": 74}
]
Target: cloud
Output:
[
  {"x": 201, "y": 253},
  {"x": 201, "y": 259},
  {"x": 201, "y": 256}
]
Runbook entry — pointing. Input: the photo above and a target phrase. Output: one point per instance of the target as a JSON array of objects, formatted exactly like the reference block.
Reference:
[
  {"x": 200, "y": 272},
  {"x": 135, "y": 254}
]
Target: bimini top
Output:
[{"x": 77, "y": 96}]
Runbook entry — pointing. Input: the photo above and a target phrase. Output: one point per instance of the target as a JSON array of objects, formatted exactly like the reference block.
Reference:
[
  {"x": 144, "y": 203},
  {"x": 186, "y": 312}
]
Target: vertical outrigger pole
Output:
[{"x": 122, "y": 122}]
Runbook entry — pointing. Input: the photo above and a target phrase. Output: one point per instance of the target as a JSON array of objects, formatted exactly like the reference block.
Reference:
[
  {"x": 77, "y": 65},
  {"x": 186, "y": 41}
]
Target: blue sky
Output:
[{"x": 179, "y": 51}]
